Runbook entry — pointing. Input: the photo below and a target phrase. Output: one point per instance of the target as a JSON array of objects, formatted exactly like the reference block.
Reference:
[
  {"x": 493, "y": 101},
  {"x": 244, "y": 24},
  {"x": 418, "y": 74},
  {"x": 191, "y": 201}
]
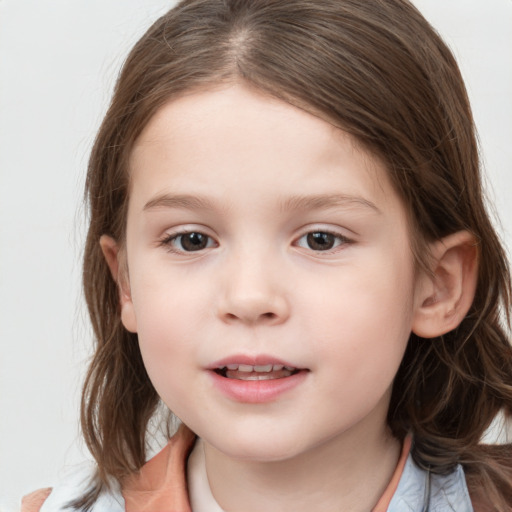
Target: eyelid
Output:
[
  {"x": 169, "y": 236},
  {"x": 344, "y": 239}
]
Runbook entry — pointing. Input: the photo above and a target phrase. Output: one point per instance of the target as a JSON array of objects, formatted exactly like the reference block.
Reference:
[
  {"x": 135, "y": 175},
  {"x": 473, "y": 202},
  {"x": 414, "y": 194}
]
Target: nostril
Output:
[
  {"x": 261, "y": 317},
  {"x": 253, "y": 309}
]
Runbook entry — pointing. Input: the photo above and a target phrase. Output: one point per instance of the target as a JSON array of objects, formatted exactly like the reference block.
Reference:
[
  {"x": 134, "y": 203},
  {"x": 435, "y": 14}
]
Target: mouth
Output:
[
  {"x": 250, "y": 372},
  {"x": 256, "y": 379}
]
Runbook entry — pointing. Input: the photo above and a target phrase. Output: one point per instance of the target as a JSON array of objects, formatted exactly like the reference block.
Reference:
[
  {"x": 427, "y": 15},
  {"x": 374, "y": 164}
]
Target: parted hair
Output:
[{"x": 379, "y": 71}]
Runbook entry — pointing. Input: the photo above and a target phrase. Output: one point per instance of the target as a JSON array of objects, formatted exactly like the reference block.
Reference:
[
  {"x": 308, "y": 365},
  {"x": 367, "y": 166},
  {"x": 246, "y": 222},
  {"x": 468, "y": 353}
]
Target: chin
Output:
[{"x": 260, "y": 447}]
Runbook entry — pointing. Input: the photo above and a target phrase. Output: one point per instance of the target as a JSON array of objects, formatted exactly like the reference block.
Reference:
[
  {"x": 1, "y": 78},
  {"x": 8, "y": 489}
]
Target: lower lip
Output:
[{"x": 256, "y": 391}]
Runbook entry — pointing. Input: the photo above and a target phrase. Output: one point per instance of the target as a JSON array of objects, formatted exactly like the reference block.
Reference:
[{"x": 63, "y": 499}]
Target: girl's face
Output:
[{"x": 271, "y": 281}]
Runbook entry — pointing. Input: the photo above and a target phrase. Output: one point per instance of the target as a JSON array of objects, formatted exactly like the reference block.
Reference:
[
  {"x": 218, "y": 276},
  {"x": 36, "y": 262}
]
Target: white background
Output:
[{"x": 58, "y": 63}]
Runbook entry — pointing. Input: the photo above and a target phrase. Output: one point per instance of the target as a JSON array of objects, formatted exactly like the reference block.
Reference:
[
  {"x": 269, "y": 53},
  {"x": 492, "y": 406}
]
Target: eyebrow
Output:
[
  {"x": 180, "y": 201},
  {"x": 294, "y": 203},
  {"x": 316, "y": 202}
]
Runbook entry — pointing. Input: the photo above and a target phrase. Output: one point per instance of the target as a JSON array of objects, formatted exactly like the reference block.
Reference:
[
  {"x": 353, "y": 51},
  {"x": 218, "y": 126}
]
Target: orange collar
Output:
[{"x": 161, "y": 483}]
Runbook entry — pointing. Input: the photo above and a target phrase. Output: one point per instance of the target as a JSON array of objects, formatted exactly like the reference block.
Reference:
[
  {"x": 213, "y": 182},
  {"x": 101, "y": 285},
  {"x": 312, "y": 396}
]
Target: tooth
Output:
[
  {"x": 291, "y": 368},
  {"x": 256, "y": 377},
  {"x": 263, "y": 368},
  {"x": 245, "y": 368},
  {"x": 259, "y": 376},
  {"x": 232, "y": 367},
  {"x": 277, "y": 367}
]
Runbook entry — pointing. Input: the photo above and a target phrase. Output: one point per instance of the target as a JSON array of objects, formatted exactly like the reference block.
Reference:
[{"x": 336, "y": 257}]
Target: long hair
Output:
[{"x": 379, "y": 71}]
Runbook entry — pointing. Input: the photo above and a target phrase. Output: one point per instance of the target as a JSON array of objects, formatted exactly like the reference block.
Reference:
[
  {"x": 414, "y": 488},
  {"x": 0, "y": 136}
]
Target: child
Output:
[{"x": 288, "y": 247}]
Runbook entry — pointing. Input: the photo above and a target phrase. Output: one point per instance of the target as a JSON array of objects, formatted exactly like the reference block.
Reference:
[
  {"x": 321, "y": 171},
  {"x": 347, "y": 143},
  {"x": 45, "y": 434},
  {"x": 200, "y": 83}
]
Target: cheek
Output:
[
  {"x": 167, "y": 363},
  {"x": 362, "y": 320},
  {"x": 167, "y": 303},
  {"x": 168, "y": 318}
]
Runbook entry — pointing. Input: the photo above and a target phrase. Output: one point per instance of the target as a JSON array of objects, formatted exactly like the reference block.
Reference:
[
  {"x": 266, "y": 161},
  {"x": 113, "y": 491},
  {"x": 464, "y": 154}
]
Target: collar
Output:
[{"x": 162, "y": 484}]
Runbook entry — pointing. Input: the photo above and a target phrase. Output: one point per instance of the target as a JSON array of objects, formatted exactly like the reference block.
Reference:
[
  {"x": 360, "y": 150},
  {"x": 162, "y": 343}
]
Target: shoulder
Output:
[
  {"x": 74, "y": 484},
  {"x": 34, "y": 501},
  {"x": 451, "y": 490},
  {"x": 164, "y": 470},
  {"x": 420, "y": 490}
]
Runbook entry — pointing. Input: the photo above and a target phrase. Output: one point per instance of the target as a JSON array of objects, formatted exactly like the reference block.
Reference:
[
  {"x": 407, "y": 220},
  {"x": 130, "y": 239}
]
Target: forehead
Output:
[{"x": 235, "y": 134}]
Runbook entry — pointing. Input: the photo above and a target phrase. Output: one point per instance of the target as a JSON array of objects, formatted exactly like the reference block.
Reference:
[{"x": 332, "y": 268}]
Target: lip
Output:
[
  {"x": 255, "y": 391},
  {"x": 256, "y": 360}
]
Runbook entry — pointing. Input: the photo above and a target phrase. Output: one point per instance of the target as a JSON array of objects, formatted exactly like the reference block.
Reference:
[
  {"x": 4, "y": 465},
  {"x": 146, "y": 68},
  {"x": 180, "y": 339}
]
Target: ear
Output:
[
  {"x": 116, "y": 261},
  {"x": 445, "y": 296}
]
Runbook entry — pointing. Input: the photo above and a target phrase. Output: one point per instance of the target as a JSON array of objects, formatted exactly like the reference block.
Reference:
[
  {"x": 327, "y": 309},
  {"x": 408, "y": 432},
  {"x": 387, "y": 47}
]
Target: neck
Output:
[{"x": 349, "y": 472}]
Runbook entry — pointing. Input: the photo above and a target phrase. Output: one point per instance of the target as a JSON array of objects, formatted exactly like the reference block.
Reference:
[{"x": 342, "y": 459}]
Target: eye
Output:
[
  {"x": 189, "y": 242},
  {"x": 321, "y": 240}
]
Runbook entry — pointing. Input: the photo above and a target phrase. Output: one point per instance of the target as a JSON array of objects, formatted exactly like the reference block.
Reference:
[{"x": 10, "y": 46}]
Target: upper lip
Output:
[{"x": 255, "y": 360}]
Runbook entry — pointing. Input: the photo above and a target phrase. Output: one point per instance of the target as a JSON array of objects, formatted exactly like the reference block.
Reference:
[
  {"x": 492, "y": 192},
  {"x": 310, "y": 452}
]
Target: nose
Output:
[{"x": 253, "y": 293}]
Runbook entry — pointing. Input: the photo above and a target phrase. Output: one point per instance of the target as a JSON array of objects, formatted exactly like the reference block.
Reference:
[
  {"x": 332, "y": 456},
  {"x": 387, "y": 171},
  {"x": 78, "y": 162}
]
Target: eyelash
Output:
[
  {"x": 168, "y": 240},
  {"x": 339, "y": 241}
]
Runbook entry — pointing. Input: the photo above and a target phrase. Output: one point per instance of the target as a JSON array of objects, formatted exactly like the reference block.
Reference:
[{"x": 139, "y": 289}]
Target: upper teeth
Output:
[{"x": 257, "y": 368}]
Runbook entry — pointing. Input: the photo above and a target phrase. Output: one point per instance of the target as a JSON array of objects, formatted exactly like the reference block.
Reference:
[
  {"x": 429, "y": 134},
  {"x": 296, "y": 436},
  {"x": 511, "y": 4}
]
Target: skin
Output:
[{"x": 268, "y": 174}]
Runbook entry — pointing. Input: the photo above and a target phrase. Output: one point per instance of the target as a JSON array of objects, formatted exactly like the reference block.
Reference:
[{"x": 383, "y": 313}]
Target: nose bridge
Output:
[{"x": 252, "y": 290}]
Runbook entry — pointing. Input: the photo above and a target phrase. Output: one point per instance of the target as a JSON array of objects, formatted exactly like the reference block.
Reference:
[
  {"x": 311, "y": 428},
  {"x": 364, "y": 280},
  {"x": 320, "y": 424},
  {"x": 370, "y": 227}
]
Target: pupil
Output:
[
  {"x": 320, "y": 241},
  {"x": 194, "y": 241}
]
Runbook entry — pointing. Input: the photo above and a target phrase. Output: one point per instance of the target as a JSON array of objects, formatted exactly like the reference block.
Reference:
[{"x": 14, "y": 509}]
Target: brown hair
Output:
[{"x": 378, "y": 70}]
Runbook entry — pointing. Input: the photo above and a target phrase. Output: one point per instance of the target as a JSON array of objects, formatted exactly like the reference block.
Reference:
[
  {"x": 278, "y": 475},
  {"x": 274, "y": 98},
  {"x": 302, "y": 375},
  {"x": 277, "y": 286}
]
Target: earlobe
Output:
[
  {"x": 444, "y": 297},
  {"x": 114, "y": 258}
]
